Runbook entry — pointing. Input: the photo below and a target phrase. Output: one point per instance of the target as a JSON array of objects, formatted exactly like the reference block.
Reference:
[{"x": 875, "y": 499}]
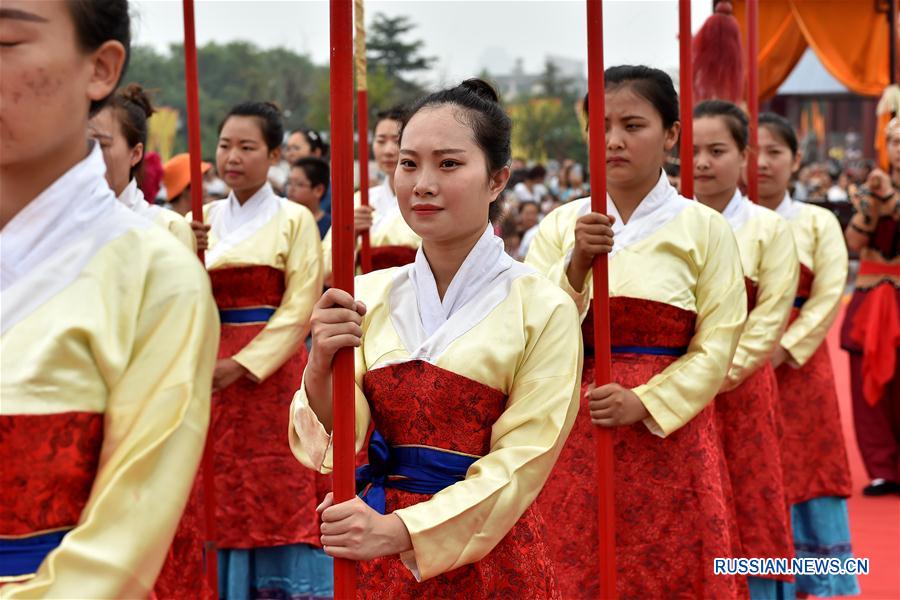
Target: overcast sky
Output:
[{"x": 465, "y": 35}]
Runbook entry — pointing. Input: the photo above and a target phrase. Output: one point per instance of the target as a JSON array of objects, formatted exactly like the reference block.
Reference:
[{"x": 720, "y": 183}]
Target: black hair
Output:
[
  {"x": 269, "y": 117},
  {"x": 315, "y": 141},
  {"x": 781, "y": 128},
  {"x": 481, "y": 111},
  {"x": 316, "y": 170},
  {"x": 97, "y": 22},
  {"x": 394, "y": 113},
  {"x": 537, "y": 172},
  {"x": 735, "y": 119},
  {"x": 132, "y": 107},
  {"x": 653, "y": 85}
]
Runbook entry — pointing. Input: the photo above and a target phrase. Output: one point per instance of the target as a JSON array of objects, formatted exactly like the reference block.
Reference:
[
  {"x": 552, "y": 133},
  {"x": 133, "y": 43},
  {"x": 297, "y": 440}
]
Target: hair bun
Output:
[
  {"x": 724, "y": 7},
  {"x": 134, "y": 93},
  {"x": 274, "y": 106},
  {"x": 482, "y": 89}
]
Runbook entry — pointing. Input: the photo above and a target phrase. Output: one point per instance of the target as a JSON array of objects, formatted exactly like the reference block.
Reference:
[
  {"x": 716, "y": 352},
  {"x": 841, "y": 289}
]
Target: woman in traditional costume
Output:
[
  {"x": 467, "y": 367},
  {"x": 264, "y": 259},
  {"x": 747, "y": 411},
  {"x": 108, "y": 329},
  {"x": 677, "y": 305},
  {"x": 813, "y": 453}
]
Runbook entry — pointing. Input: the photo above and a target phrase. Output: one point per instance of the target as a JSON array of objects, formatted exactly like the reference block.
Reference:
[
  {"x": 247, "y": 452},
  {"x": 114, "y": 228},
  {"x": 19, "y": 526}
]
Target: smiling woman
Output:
[
  {"x": 101, "y": 424},
  {"x": 467, "y": 423}
]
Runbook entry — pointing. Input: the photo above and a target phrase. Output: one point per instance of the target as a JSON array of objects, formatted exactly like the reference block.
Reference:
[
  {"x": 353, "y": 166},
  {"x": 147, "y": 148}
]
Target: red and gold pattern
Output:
[
  {"x": 385, "y": 257},
  {"x": 672, "y": 518},
  {"x": 418, "y": 403},
  {"x": 813, "y": 454},
  {"x": 49, "y": 465}
]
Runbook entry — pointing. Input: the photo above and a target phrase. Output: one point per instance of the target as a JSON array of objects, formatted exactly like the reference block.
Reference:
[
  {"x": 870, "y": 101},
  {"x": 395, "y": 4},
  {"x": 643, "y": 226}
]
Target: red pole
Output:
[
  {"x": 753, "y": 97},
  {"x": 193, "y": 109},
  {"x": 597, "y": 131},
  {"x": 342, "y": 245},
  {"x": 362, "y": 128},
  {"x": 686, "y": 85}
]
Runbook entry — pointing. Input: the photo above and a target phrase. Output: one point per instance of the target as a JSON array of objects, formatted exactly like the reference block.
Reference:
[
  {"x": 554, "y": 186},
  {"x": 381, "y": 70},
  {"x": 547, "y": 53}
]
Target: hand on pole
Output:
[
  {"x": 362, "y": 219},
  {"x": 593, "y": 236},
  {"x": 612, "y": 405},
  {"x": 336, "y": 323},
  {"x": 201, "y": 233},
  {"x": 227, "y": 371},
  {"x": 355, "y": 531}
]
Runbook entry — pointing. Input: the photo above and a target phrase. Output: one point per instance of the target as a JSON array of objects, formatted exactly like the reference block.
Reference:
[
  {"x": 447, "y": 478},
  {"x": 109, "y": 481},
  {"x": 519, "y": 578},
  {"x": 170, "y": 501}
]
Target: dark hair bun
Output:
[
  {"x": 134, "y": 93},
  {"x": 482, "y": 89},
  {"x": 274, "y": 106}
]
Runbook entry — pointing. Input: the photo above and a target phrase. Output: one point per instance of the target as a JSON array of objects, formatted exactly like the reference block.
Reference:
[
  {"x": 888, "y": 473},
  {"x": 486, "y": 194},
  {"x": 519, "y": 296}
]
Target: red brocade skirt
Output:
[
  {"x": 749, "y": 425},
  {"x": 672, "y": 516},
  {"x": 417, "y": 403},
  {"x": 813, "y": 454}
]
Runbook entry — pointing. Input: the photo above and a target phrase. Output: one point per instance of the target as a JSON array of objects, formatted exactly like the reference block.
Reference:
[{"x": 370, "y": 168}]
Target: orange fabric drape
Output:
[{"x": 849, "y": 37}]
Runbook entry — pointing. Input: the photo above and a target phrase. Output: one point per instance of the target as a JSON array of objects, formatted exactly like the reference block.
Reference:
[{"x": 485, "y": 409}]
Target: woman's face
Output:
[
  {"x": 107, "y": 130},
  {"x": 776, "y": 164},
  {"x": 636, "y": 141},
  {"x": 386, "y": 145},
  {"x": 297, "y": 148},
  {"x": 47, "y": 81},
  {"x": 893, "y": 147},
  {"x": 718, "y": 162},
  {"x": 242, "y": 156},
  {"x": 442, "y": 182}
]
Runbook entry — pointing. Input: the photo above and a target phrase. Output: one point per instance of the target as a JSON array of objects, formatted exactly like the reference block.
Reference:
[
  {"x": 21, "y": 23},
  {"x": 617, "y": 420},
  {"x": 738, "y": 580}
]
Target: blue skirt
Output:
[
  {"x": 293, "y": 572},
  {"x": 822, "y": 530}
]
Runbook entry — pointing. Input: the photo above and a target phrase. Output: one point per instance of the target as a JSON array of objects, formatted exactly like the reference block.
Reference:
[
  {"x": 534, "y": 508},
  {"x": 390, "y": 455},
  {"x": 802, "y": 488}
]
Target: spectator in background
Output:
[
  {"x": 177, "y": 179},
  {"x": 529, "y": 217},
  {"x": 574, "y": 183},
  {"x": 673, "y": 174},
  {"x": 533, "y": 188},
  {"x": 308, "y": 183}
]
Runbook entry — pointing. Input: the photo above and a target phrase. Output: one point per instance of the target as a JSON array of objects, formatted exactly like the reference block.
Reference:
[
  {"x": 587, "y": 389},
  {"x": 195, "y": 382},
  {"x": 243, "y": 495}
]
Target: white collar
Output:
[
  {"x": 48, "y": 243},
  {"x": 788, "y": 208},
  {"x": 132, "y": 196},
  {"x": 233, "y": 222},
  {"x": 738, "y": 210}
]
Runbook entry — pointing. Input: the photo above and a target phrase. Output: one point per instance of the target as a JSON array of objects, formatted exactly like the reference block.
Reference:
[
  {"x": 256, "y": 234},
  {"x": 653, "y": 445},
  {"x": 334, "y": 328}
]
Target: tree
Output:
[{"x": 385, "y": 49}]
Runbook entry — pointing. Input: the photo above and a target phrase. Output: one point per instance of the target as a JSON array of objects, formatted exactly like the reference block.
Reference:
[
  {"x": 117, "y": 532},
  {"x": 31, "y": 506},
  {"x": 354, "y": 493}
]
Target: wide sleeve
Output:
[
  {"x": 685, "y": 387},
  {"x": 779, "y": 270},
  {"x": 462, "y": 523},
  {"x": 830, "y": 263},
  {"x": 288, "y": 327},
  {"x": 182, "y": 231},
  {"x": 154, "y": 430},
  {"x": 547, "y": 255}
]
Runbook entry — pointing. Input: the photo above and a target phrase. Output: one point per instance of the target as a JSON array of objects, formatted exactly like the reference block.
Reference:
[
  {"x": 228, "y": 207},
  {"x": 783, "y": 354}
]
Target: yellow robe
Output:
[
  {"x": 519, "y": 335},
  {"x": 115, "y": 318},
  {"x": 674, "y": 251}
]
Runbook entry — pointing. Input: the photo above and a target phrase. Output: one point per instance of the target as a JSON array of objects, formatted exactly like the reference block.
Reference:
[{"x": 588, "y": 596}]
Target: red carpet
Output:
[{"x": 874, "y": 522}]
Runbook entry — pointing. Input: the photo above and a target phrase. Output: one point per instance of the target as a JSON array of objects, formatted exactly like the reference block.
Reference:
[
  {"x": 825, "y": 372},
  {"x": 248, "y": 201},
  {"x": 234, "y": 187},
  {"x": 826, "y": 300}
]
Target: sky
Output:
[{"x": 465, "y": 35}]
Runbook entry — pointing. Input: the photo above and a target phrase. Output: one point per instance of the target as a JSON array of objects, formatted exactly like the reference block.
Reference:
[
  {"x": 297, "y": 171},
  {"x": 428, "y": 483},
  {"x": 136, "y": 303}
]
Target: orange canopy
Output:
[{"x": 850, "y": 38}]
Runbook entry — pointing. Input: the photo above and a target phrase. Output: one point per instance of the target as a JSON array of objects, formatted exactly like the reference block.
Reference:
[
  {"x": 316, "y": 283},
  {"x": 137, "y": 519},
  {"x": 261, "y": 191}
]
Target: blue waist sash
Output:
[
  {"x": 243, "y": 316},
  {"x": 653, "y": 350},
  {"x": 23, "y": 556},
  {"x": 408, "y": 468},
  {"x": 799, "y": 301}
]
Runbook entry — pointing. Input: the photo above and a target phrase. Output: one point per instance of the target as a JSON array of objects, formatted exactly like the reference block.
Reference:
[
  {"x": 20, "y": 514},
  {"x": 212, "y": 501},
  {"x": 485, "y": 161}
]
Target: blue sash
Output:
[
  {"x": 408, "y": 468},
  {"x": 243, "y": 316},
  {"x": 799, "y": 301},
  {"x": 23, "y": 556},
  {"x": 654, "y": 350}
]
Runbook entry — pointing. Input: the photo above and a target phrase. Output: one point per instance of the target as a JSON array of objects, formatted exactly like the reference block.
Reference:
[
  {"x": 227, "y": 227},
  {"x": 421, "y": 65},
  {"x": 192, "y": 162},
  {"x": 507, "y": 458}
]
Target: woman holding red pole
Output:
[
  {"x": 467, "y": 365},
  {"x": 677, "y": 305}
]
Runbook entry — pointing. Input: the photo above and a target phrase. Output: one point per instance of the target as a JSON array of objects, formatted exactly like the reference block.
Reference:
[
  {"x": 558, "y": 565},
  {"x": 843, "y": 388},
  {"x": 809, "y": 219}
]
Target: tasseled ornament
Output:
[{"x": 718, "y": 58}]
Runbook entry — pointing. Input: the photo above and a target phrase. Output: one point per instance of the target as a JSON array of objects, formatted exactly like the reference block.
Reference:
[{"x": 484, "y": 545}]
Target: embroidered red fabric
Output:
[
  {"x": 385, "y": 257},
  {"x": 752, "y": 291},
  {"x": 672, "y": 517},
  {"x": 49, "y": 465},
  {"x": 813, "y": 454},
  {"x": 242, "y": 287},
  {"x": 418, "y": 403},
  {"x": 749, "y": 424}
]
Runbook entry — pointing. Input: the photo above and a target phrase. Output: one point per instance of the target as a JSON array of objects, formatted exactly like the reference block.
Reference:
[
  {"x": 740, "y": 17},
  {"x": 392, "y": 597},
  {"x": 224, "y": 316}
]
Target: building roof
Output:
[{"x": 810, "y": 77}]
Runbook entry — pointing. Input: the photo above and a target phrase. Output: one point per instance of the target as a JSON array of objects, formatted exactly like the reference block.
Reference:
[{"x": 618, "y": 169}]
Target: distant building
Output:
[{"x": 518, "y": 82}]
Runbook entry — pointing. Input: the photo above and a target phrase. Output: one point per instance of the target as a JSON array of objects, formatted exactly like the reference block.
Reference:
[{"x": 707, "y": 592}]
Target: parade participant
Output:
[
  {"x": 307, "y": 185},
  {"x": 393, "y": 242},
  {"x": 467, "y": 366},
  {"x": 264, "y": 259},
  {"x": 871, "y": 329},
  {"x": 813, "y": 454},
  {"x": 177, "y": 180},
  {"x": 677, "y": 304},
  {"x": 108, "y": 328},
  {"x": 746, "y": 409},
  {"x": 121, "y": 130}
]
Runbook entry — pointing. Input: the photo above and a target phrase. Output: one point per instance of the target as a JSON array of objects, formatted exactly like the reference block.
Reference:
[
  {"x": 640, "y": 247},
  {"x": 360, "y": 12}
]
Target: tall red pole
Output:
[
  {"x": 342, "y": 246},
  {"x": 191, "y": 84},
  {"x": 597, "y": 135},
  {"x": 686, "y": 91},
  {"x": 753, "y": 98},
  {"x": 362, "y": 127}
]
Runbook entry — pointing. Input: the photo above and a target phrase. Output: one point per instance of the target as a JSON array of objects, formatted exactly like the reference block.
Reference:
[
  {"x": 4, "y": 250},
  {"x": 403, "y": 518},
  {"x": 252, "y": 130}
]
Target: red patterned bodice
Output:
[
  {"x": 242, "y": 287},
  {"x": 640, "y": 322},
  {"x": 752, "y": 293},
  {"x": 385, "y": 257}
]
